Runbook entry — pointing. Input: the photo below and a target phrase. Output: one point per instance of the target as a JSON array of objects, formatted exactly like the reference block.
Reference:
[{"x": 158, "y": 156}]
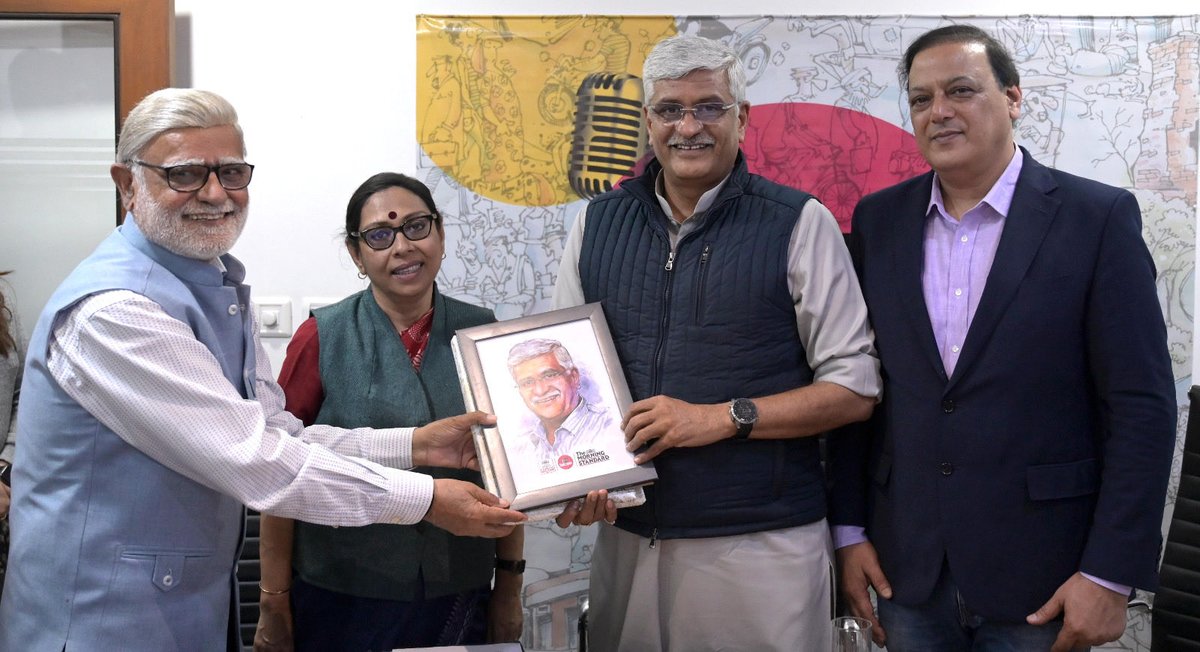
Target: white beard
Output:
[{"x": 184, "y": 234}]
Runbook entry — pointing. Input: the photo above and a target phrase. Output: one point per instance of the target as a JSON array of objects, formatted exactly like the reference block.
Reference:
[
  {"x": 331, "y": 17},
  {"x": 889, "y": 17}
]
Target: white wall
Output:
[{"x": 326, "y": 99}]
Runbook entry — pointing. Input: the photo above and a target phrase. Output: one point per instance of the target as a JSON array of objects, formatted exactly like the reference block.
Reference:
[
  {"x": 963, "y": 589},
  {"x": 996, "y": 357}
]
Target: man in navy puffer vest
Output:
[{"x": 742, "y": 332}]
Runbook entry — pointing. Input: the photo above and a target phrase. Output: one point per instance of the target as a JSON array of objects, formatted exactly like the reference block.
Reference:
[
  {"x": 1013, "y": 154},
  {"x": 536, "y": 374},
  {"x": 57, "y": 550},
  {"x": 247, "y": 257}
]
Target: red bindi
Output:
[{"x": 391, "y": 215}]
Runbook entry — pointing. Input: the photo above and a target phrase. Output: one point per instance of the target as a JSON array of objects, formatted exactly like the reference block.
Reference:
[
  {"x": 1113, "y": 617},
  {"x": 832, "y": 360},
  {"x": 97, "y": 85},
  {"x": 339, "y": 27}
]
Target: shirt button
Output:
[
  {"x": 964, "y": 238},
  {"x": 948, "y": 406},
  {"x": 947, "y": 468},
  {"x": 958, "y": 292},
  {"x": 233, "y": 309},
  {"x": 954, "y": 348},
  {"x": 167, "y": 580}
]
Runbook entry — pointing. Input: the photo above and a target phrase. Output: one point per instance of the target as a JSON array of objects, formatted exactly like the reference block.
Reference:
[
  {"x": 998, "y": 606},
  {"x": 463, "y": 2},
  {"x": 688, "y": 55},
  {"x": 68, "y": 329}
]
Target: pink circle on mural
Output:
[{"x": 839, "y": 155}]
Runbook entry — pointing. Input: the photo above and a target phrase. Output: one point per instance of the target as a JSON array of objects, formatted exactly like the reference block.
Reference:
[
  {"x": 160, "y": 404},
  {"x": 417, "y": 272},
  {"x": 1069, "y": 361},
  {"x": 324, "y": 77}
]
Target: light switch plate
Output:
[
  {"x": 312, "y": 303},
  {"x": 274, "y": 316}
]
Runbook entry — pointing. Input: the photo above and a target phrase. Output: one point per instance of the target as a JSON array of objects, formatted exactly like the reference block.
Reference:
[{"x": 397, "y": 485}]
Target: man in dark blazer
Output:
[{"x": 1008, "y": 492}]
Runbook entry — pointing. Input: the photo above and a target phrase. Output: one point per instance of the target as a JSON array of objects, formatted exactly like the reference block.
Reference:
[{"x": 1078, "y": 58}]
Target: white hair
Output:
[
  {"x": 173, "y": 108},
  {"x": 676, "y": 57},
  {"x": 530, "y": 349}
]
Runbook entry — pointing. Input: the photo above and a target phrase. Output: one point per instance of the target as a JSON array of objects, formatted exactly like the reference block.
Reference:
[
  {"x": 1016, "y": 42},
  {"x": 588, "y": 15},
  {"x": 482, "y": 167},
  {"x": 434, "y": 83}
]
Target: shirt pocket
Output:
[
  {"x": 1063, "y": 480},
  {"x": 165, "y": 568}
]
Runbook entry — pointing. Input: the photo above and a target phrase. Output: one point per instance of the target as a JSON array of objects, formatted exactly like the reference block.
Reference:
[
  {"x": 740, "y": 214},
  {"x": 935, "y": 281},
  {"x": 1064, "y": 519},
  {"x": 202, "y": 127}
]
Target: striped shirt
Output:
[{"x": 145, "y": 376}]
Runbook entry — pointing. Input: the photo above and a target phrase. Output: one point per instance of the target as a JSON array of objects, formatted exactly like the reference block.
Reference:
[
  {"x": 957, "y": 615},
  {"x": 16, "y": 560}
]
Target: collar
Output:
[
  {"x": 703, "y": 204},
  {"x": 648, "y": 186},
  {"x": 999, "y": 197},
  {"x": 569, "y": 424}
]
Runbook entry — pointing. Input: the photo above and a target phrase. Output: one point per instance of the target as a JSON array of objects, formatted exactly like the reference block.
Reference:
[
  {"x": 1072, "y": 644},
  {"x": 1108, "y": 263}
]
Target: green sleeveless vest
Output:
[{"x": 369, "y": 381}]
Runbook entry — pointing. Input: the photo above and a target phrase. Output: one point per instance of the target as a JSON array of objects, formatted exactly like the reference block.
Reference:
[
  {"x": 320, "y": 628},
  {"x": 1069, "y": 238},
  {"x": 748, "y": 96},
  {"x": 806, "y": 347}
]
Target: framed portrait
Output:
[{"x": 556, "y": 387}]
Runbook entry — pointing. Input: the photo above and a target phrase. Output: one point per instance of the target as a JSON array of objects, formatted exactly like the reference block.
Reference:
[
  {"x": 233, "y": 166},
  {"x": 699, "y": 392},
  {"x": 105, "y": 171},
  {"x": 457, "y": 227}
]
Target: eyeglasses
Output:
[
  {"x": 414, "y": 228},
  {"x": 544, "y": 377},
  {"x": 191, "y": 177},
  {"x": 705, "y": 112}
]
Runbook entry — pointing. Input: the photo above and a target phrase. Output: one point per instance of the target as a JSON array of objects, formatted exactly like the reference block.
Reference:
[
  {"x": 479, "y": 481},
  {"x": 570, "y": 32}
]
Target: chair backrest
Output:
[
  {"x": 248, "y": 575},
  {"x": 1176, "y": 614}
]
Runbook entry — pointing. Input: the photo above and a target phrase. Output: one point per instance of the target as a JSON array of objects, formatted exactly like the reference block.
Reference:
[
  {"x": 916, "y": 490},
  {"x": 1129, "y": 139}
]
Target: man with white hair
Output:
[
  {"x": 742, "y": 331},
  {"x": 150, "y": 416}
]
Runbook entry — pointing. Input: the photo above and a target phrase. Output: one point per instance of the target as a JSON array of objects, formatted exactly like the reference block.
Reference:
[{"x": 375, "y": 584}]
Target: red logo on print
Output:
[{"x": 565, "y": 462}]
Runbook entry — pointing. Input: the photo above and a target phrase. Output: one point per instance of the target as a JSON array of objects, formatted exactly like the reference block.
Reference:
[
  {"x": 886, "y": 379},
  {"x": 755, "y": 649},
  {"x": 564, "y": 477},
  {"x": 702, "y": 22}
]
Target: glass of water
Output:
[{"x": 851, "y": 634}]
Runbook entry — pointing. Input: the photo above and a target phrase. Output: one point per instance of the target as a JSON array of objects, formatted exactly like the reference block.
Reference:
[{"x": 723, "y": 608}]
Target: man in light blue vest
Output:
[{"x": 149, "y": 417}]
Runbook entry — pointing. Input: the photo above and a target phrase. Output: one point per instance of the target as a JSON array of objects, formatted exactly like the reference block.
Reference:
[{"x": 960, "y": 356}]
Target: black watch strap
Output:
[
  {"x": 743, "y": 430},
  {"x": 517, "y": 567},
  {"x": 744, "y": 414}
]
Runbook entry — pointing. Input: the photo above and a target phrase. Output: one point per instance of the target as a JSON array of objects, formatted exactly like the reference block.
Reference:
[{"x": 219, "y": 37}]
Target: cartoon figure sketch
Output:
[
  {"x": 1043, "y": 108},
  {"x": 746, "y": 39},
  {"x": 751, "y": 47},
  {"x": 807, "y": 84},
  {"x": 1026, "y": 37}
]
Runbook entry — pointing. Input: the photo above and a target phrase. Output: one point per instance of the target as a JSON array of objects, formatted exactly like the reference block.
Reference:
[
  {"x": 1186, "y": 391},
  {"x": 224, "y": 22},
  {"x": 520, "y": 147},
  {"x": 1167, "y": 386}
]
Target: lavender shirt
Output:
[{"x": 958, "y": 259}]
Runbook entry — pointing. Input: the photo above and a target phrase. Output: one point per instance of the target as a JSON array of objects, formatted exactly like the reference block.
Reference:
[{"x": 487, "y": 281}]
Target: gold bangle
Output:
[{"x": 270, "y": 592}]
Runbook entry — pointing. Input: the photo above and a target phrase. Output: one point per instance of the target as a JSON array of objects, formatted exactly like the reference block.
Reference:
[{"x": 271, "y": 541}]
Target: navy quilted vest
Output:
[{"x": 719, "y": 324}]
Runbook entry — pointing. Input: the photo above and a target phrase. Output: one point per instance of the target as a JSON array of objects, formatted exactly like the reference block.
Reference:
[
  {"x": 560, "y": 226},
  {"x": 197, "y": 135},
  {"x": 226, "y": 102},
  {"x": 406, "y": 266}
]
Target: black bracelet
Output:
[{"x": 517, "y": 567}]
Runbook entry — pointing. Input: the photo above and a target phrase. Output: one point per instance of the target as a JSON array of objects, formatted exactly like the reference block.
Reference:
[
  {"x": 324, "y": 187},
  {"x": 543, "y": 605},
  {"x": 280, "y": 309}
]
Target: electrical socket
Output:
[{"x": 274, "y": 317}]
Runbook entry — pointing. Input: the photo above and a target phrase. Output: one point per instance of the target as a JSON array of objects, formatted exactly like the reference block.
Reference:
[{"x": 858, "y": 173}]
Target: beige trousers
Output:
[{"x": 754, "y": 592}]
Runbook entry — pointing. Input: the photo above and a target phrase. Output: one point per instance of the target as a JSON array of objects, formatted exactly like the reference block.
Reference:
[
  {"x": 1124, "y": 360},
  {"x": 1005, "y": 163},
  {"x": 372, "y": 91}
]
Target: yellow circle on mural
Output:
[{"x": 496, "y": 96}]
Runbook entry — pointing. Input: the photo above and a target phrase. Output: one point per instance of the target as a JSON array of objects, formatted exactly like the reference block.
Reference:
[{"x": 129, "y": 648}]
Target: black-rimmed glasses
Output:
[
  {"x": 705, "y": 112},
  {"x": 191, "y": 177},
  {"x": 414, "y": 228}
]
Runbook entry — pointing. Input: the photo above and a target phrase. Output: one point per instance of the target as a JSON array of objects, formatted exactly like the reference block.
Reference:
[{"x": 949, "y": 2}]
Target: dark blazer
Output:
[{"x": 1048, "y": 450}]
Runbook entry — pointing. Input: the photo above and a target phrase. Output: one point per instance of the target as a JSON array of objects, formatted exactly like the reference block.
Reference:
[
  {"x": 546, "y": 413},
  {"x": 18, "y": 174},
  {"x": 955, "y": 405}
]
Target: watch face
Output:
[{"x": 745, "y": 411}]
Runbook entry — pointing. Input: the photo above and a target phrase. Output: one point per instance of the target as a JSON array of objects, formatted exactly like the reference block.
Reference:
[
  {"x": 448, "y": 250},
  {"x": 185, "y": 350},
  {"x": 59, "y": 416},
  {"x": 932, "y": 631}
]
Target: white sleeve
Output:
[
  {"x": 146, "y": 377},
  {"x": 568, "y": 289}
]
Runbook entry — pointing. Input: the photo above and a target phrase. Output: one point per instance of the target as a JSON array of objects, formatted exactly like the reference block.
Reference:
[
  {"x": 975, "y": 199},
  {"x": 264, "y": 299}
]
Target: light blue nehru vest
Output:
[{"x": 112, "y": 550}]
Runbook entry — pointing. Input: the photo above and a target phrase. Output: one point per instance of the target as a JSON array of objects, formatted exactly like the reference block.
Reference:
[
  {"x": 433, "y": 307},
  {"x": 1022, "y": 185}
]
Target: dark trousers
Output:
[
  {"x": 947, "y": 624},
  {"x": 327, "y": 620}
]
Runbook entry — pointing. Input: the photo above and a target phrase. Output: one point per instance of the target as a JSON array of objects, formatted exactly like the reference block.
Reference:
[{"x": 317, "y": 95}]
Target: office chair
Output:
[{"x": 1175, "y": 619}]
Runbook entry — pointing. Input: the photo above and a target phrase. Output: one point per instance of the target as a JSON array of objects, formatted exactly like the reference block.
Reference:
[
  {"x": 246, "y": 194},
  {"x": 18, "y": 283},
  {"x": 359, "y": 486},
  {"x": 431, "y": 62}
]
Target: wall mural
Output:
[{"x": 521, "y": 119}]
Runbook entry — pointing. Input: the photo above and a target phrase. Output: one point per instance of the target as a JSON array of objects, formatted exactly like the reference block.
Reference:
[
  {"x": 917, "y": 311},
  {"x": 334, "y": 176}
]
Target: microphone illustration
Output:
[{"x": 610, "y": 136}]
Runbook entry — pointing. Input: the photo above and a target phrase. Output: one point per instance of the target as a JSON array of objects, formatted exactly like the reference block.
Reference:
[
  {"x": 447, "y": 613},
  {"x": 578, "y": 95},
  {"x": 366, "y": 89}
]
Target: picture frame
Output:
[{"x": 516, "y": 370}]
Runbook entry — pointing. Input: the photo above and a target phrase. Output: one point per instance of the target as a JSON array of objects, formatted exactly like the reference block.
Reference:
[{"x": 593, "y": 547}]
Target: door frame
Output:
[
  {"x": 144, "y": 52},
  {"x": 144, "y": 31}
]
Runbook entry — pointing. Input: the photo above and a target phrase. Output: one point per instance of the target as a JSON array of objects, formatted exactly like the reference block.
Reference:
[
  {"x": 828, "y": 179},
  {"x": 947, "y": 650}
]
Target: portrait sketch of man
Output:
[
  {"x": 567, "y": 423},
  {"x": 558, "y": 393}
]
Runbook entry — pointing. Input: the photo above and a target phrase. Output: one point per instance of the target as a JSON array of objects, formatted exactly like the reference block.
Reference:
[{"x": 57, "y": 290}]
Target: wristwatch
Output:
[
  {"x": 516, "y": 567},
  {"x": 744, "y": 414}
]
